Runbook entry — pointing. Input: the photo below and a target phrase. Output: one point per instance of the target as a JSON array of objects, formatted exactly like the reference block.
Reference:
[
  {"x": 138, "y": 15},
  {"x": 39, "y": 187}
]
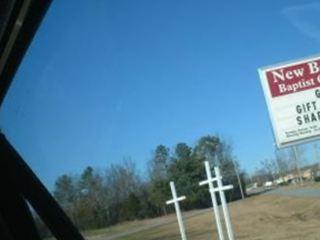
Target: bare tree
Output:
[{"x": 270, "y": 167}]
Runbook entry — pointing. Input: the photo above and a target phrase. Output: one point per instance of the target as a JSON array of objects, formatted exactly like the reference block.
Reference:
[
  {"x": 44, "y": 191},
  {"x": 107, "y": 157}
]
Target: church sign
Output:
[{"x": 292, "y": 92}]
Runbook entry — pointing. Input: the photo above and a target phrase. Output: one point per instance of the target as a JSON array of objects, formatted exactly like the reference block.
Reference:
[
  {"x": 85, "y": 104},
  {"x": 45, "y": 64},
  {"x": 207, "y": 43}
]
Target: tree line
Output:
[{"x": 100, "y": 198}]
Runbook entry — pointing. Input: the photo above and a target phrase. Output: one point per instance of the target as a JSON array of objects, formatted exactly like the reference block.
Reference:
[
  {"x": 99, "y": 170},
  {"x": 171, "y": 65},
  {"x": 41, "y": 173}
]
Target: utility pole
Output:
[
  {"x": 236, "y": 172},
  {"x": 296, "y": 158},
  {"x": 238, "y": 177}
]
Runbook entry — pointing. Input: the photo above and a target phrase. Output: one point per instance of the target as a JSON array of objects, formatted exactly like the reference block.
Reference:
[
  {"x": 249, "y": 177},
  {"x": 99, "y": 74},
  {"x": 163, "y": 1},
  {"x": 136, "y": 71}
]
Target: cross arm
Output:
[
  {"x": 208, "y": 181},
  {"x": 224, "y": 188},
  {"x": 176, "y": 200}
]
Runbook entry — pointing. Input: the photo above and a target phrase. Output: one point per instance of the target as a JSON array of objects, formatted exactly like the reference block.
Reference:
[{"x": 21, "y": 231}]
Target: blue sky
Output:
[{"x": 107, "y": 80}]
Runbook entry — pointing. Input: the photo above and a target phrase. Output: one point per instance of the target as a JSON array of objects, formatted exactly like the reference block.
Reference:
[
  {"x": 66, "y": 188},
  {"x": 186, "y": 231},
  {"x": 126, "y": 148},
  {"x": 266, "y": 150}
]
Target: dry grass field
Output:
[{"x": 262, "y": 217}]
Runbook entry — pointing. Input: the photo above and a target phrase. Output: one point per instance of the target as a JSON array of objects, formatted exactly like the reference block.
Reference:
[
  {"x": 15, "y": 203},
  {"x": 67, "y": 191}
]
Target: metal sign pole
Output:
[{"x": 316, "y": 154}]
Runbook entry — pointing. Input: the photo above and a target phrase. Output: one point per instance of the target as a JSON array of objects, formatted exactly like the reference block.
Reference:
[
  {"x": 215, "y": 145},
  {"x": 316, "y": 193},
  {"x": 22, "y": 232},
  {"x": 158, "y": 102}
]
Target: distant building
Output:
[
  {"x": 289, "y": 177},
  {"x": 268, "y": 184},
  {"x": 279, "y": 181},
  {"x": 307, "y": 173}
]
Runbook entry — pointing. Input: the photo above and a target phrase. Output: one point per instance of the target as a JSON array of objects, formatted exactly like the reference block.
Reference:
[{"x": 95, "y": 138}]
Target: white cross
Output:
[
  {"x": 225, "y": 209},
  {"x": 176, "y": 201},
  {"x": 210, "y": 181}
]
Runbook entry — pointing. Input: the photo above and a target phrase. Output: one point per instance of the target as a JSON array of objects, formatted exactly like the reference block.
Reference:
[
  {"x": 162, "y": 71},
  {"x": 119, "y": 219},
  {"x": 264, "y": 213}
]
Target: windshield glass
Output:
[{"x": 116, "y": 99}]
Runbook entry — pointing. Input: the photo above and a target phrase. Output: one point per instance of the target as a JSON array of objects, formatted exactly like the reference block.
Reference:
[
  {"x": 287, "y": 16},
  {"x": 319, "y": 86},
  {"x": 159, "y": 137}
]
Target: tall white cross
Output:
[
  {"x": 225, "y": 209},
  {"x": 176, "y": 201},
  {"x": 210, "y": 181}
]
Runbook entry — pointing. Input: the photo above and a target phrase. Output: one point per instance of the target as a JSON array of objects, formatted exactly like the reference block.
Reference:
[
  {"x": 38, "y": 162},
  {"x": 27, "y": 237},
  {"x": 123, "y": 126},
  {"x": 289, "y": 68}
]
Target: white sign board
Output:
[{"x": 292, "y": 92}]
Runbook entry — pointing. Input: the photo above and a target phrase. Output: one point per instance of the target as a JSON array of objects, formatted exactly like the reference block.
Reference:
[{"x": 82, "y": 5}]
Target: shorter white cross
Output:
[
  {"x": 176, "y": 201},
  {"x": 225, "y": 209},
  {"x": 210, "y": 181}
]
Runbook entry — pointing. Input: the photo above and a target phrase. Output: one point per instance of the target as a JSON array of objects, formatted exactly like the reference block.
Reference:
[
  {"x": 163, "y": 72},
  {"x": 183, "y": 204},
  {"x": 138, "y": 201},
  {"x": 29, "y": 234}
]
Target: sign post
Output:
[
  {"x": 292, "y": 92},
  {"x": 210, "y": 181},
  {"x": 316, "y": 154},
  {"x": 176, "y": 201}
]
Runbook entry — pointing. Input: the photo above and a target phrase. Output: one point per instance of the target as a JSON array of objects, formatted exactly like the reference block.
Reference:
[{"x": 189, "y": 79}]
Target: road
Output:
[{"x": 307, "y": 192}]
